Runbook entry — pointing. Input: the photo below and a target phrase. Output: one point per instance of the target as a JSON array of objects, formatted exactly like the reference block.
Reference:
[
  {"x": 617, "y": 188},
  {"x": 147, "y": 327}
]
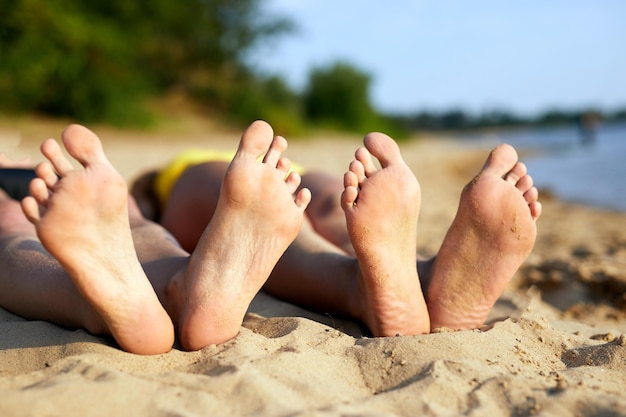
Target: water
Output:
[{"x": 589, "y": 172}]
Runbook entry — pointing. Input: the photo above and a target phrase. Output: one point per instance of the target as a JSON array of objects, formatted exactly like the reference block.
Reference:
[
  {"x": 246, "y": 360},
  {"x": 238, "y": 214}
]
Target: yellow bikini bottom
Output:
[{"x": 168, "y": 176}]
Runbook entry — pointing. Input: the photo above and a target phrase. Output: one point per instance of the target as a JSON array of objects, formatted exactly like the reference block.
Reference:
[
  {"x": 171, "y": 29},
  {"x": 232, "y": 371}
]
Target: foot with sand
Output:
[
  {"x": 382, "y": 208},
  {"x": 256, "y": 219},
  {"x": 492, "y": 234},
  {"x": 81, "y": 218}
]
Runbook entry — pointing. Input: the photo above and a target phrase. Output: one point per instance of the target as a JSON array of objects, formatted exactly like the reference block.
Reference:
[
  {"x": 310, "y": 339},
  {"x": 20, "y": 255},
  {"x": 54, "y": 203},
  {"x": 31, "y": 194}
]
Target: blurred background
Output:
[{"x": 549, "y": 77}]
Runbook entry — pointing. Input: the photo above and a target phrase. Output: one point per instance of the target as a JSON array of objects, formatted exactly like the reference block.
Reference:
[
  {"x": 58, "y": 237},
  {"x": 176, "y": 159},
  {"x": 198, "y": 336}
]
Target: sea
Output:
[{"x": 579, "y": 166}]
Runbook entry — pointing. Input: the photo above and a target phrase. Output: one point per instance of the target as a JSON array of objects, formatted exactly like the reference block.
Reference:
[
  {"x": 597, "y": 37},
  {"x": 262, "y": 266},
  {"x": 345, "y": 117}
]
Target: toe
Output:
[
  {"x": 524, "y": 184},
  {"x": 52, "y": 151},
  {"x": 45, "y": 171},
  {"x": 350, "y": 179},
  {"x": 255, "y": 141},
  {"x": 531, "y": 195},
  {"x": 355, "y": 175},
  {"x": 83, "y": 145},
  {"x": 348, "y": 197},
  {"x": 293, "y": 182},
  {"x": 303, "y": 198},
  {"x": 501, "y": 160},
  {"x": 364, "y": 156},
  {"x": 278, "y": 146},
  {"x": 350, "y": 192},
  {"x": 516, "y": 173},
  {"x": 30, "y": 207},
  {"x": 39, "y": 191},
  {"x": 357, "y": 168},
  {"x": 384, "y": 148},
  {"x": 535, "y": 209},
  {"x": 283, "y": 165}
]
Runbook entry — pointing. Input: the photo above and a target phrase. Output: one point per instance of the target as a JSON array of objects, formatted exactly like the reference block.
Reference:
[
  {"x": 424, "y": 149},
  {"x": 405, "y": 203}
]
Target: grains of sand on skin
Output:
[{"x": 515, "y": 228}]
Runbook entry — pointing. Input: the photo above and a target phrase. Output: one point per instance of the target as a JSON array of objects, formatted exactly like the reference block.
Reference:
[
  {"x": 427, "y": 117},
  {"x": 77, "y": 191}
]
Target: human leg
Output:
[
  {"x": 194, "y": 196},
  {"x": 32, "y": 282},
  {"x": 325, "y": 213},
  {"x": 142, "y": 191},
  {"x": 492, "y": 234},
  {"x": 192, "y": 202},
  {"x": 82, "y": 219},
  {"x": 255, "y": 220},
  {"x": 177, "y": 279},
  {"x": 314, "y": 271}
]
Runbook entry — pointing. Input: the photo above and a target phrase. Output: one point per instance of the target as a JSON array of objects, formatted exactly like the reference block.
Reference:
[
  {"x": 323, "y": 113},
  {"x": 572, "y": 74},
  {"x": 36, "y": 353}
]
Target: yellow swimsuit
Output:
[{"x": 168, "y": 176}]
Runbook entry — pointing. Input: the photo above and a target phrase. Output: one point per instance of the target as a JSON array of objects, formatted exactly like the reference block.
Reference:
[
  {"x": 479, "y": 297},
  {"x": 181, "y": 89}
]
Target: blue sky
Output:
[{"x": 522, "y": 56}]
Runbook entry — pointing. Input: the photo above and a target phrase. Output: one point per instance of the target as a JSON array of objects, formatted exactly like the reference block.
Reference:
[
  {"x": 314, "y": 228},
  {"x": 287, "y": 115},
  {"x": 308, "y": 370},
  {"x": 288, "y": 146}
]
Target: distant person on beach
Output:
[
  {"x": 79, "y": 253},
  {"x": 588, "y": 127}
]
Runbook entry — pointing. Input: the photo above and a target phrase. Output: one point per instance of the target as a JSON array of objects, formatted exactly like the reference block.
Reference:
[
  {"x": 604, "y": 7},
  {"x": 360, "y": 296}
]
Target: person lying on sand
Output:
[
  {"x": 79, "y": 253},
  {"x": 324, "y": 270}
]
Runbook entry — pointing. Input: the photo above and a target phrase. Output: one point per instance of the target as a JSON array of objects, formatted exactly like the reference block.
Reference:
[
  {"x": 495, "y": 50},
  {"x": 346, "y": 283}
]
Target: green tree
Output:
[
  {"x": 55, "y": 59},
  {"x": 338, "y": 95},
  {"x": 270, "y": 99},
  {"x": 555, "y": 117},
  {"x": 96, "y": 60}
]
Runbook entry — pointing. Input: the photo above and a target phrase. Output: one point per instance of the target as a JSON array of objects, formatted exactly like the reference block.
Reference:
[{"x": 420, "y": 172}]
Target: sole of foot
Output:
[
  {"x": 382, "y": 209},
  {"x": 492, "y": 234},
  {"x": 81, "y": 218},
  {"x": 256, "y": 219}
]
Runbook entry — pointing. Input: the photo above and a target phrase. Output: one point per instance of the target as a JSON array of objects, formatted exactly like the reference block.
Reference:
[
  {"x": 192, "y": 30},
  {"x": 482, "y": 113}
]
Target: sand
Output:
[{"x": 556, "y": 345}]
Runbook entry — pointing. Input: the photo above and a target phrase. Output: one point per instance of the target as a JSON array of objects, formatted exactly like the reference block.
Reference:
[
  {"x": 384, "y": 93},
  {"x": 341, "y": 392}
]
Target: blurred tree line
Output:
[
  {"x": 458, "y": 119},
  {"x": 102, "y": 60}
]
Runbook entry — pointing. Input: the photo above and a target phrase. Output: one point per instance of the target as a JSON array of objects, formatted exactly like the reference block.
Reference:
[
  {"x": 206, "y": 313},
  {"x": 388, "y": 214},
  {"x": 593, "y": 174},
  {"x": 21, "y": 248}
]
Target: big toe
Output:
[
  {"x": 500, "y": 161},
  {"x": 83, "y": 145},
  {"x": 384, "y": 148},
  {"x": 256, "y": 140}
]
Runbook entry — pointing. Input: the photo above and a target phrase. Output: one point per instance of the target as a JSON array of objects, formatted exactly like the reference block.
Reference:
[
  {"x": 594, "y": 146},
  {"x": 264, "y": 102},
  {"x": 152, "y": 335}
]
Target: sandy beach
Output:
[{"x": 556, "y": 345}]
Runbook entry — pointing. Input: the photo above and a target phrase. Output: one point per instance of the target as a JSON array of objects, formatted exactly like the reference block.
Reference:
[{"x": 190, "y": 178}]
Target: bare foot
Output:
[
  {"x": 256, "y": 219},
  {"x": 382, "y": 207},
  {"x": 492, "y": 234},
  {"x": 81, "y": 218}
]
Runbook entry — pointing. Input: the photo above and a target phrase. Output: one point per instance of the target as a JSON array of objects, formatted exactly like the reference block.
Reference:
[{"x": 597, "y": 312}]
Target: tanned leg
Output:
[
  {"x": 32, "y": 283},
  {"x": 325, "y": 213},
  {"x": 194, "y": 196}
]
